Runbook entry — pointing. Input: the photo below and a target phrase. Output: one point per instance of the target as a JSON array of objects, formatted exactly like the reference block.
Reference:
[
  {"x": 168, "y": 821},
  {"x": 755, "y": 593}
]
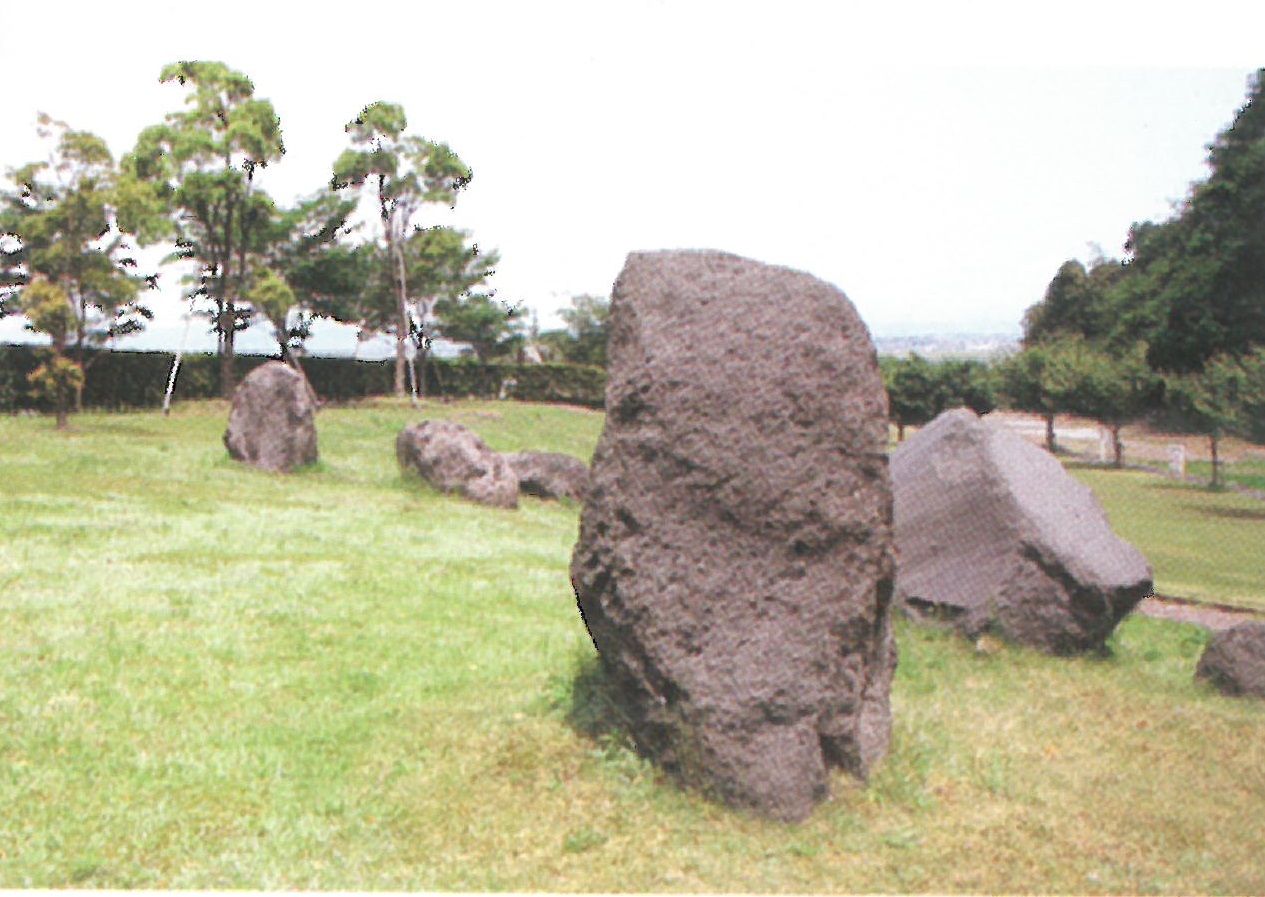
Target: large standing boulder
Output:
[
  {"x": 993, "y": 533},
  {"x": 1234, "y": 661},
  {"x": 454, "y": 459},
  {"x": 550, "y": 474},
  {"x": 734, "y": 566},
  {"x": 272, "y": 423}
]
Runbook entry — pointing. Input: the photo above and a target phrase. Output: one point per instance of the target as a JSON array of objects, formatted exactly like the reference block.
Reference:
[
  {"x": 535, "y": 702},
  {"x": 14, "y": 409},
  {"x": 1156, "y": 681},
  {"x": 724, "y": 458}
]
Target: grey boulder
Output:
[
  {"x": 550, "y": 474},
  {"x": 1234, "y": 661},
  {"x": 272, "y": 421},
  {"x": 734, "y": 566},
  {"x": 993, "y": 533},
  {"x": 454, "y": 459}
]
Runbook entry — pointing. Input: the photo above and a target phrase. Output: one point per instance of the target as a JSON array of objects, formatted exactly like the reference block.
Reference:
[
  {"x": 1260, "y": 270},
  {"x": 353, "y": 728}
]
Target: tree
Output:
[
  {"x": 1211, "y": 400},
  {"x": 1112, "y": 389},
  {"x": 200, "y": 165},
  {"x": 920, "y": 390},
  {"x": 406, "y": 173},
  {"x": 1039, "y": 380},
  {"x": 61, "y": 223},
  {"x": 489, "y": 326},
  {"x": 1076, "y": 303},
  {"x": 52, "y": 312},
  {"x": 587, "y": 332},
  {"x": 1197, "y": 281}
]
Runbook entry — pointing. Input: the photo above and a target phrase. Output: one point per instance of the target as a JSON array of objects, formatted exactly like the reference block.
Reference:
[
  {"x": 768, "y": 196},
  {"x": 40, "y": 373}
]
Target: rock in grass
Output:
[
  {"x": 550, "y": 474},
  {"x": 734, "y": 566},
  {"x": 1234, "y": 661},
  {"x": 454, "y": 459},
  {"x": 272, "y": 422},
  {"x": 993, "y": 533}
]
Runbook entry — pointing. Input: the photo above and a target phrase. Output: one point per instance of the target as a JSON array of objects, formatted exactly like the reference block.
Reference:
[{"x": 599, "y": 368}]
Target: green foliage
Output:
[
  {"x": 1226, "y": 398},
  {"x": 584, "y": 341},
  {"x": 1077, "y": 303},
  {"x": 60, "y": 225},
  {"x": 49, "y": 311},
  {"x": 199, "y": 167},
  {"x": 415, "y": 265},
  {"x": 489, "y": 326},
  {"x": 918, "y": 390},
  {"x": 57, "y": 381},
  {"x": 1196, "y": 284},
  {"x": 123, "y": 380}
]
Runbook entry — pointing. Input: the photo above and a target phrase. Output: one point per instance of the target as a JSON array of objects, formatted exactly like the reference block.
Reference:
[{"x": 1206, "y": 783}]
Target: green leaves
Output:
[{"x": 49, "y": 310}]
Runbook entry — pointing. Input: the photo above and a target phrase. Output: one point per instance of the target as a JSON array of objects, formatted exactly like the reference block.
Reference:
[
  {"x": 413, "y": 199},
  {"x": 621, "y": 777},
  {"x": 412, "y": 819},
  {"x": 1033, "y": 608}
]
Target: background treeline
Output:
[
  {"x": 1175, "y": 328},
  {"x": 137, "y": 380}
]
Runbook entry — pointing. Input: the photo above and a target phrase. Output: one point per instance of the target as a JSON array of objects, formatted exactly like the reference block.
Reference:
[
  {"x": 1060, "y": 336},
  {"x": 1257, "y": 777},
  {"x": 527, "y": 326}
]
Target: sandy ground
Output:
[
  {"x": 1142, "y": 445},
  {"x": 1211, "y": 617}
]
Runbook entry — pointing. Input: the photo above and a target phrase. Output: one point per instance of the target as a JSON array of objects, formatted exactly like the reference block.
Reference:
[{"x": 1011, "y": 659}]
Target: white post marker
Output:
[
  {"x": 1104, "y": 444},
  {"x": 175, "y": 364},
  {"x": 1177, "y": 460}
]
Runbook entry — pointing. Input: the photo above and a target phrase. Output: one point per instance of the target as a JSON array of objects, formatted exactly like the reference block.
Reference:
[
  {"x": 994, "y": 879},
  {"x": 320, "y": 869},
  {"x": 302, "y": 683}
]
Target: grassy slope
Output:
[
  {"x": 1202, "y": 544},
  {"x": 215, "y": 678}
]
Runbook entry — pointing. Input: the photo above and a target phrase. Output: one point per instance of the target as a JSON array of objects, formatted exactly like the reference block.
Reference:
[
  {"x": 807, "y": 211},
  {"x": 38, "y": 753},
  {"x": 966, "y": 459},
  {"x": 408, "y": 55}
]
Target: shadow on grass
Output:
[
  {"x": 1227, "y": 513},
  {"x": 594, "y": 709}
]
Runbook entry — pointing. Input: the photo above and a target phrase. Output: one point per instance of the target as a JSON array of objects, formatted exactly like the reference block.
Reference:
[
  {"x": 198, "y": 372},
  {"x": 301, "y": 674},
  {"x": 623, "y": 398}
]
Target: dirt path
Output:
[{"x": 1214, "y": 617}]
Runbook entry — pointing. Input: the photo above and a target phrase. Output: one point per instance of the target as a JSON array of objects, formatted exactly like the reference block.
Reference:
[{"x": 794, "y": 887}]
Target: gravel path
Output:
[{"x": 1211, "y": 617}]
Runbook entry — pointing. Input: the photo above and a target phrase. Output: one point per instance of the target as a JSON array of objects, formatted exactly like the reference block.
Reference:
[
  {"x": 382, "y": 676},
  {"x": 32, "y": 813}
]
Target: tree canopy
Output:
[{"x": 199, "y": 168}]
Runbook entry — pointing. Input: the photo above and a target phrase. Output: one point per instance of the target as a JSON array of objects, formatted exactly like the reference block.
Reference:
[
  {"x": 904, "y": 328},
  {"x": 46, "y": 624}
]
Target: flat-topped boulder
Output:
[
  {"x": 549, "y": 474},
  {"x": 993, "y": 534},
  {"x": 1234, "y": 661},
  {"x": 272, "y": 422},
  {"x": 735, "y": 565},
  {"x": 453, "y": 458}
]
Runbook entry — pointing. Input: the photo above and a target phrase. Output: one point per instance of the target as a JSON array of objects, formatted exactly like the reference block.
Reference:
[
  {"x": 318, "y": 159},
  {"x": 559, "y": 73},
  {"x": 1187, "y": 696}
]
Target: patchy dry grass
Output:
[{"x": 216, "y": 678}]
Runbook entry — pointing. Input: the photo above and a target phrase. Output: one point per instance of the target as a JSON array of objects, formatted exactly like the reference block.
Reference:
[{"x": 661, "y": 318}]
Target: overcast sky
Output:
[{"x": 936, "y": 162}]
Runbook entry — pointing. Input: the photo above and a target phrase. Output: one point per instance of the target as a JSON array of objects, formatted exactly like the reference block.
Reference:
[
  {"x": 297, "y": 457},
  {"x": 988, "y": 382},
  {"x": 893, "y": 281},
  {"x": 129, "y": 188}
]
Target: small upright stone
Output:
[
  {"x": 1234, "y": 661},
  {"x": 550, "y": 474},
  {"x": 735, "y": 566},
  {"x": 993, "y": 533},
  {"x": 454, "y": 459},
  {"x": 272, "y": 423}
]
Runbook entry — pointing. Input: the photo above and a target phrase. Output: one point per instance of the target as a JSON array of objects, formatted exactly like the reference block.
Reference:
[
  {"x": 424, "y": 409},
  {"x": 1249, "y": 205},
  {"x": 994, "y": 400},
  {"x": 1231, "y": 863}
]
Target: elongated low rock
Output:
[
  {"x": 993, "y": 533},
  {"x": 272, "y": 422},
  {"x": 735, "y": 566},
  {"x": 453, "y": 458},
  {"x": 550, "y": 474}
]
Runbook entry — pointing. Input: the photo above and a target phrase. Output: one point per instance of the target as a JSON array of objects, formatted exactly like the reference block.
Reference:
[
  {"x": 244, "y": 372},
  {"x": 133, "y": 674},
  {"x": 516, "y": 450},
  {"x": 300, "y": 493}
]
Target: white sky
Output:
[{"x": 938, "y": 162}]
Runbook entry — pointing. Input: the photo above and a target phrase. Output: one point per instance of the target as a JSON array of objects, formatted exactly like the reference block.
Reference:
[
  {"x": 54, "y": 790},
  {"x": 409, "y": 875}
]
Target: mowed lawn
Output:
[
  {"x": 1203, "y": 544},
  {"x": 339, "y": 679}
]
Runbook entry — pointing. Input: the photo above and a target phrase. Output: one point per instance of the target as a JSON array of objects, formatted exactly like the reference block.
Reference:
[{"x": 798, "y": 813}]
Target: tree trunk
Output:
[
  {"x": 1117, "y": 445},
  {"x": 63, "y": 416},
  {"x": 1213, "y": 441},
  {"x": 900, "y": 431},
  {"x": 1050, "y": 445}
]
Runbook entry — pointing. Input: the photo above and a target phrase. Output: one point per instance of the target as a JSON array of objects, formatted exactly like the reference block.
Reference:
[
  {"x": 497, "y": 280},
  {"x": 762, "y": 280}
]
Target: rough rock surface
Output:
[
  {"x": 550, "y": 474},
  {"x": 454, "y": 459},
  {"x": 735, "y": 564},
  {"x": 272, "y": 423},
  {"x": 1234, "y": 661},
  {"x": 992, "y": 532}
]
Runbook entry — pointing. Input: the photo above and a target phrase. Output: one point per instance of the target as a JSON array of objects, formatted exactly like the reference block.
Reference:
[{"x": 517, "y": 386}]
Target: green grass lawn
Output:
[
  {"x": 339, "y": 679},
  {"x": 1204, "y": 544},
  {"x": 1248, "y": 472}
]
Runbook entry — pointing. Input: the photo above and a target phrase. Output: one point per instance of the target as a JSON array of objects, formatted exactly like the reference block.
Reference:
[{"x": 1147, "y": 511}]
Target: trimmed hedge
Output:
[{"x": 123, "y": 380}]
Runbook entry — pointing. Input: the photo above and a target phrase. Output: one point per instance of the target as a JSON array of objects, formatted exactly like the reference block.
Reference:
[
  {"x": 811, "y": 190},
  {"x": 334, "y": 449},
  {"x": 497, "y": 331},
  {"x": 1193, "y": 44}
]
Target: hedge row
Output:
[{"x": 122, "y": 380}]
